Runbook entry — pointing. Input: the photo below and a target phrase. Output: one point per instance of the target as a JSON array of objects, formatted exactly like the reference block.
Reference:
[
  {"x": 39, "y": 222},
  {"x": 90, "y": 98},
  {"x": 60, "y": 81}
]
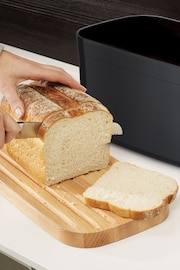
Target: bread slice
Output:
[
  {"x": 131, "y": 191},
  {"x": 74, "y": 136}
]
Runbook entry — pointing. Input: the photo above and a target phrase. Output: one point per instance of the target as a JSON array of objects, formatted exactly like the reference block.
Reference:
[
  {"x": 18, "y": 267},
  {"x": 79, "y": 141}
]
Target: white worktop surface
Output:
[{"x": 156, "y": 248}]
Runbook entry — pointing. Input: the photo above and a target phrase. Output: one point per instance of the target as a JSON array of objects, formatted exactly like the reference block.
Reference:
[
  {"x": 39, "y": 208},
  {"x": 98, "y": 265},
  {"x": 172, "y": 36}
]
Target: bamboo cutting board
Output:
[{"x": 60, "y": 210}]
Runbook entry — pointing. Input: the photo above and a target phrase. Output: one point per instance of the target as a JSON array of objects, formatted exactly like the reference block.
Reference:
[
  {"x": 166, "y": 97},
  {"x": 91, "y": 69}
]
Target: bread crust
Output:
[
  {"x": 128, "y": 213},
  {"x": 50, "y": 102}
]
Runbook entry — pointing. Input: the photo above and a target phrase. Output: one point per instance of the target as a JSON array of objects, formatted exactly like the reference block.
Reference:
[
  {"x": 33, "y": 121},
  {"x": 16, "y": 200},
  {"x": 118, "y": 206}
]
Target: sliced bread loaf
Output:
[
  {"x": 131, "y": 191},
  {"x": 74, "y": 136}
]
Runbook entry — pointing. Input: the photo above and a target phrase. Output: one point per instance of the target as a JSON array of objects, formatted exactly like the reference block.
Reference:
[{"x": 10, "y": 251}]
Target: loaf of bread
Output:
[
  {"x": 74, "y": 136},
  {"x": 131, "y": 191}
]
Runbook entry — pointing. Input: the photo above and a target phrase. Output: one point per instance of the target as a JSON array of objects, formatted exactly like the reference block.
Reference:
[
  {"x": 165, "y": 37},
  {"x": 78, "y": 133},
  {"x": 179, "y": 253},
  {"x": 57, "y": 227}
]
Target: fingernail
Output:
[
  {"x": 85, "y": 89},
  {"x": 18, "y": 112}
]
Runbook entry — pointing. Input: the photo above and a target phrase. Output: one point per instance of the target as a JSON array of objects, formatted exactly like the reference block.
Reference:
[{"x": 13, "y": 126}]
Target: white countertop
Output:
[{"x": 156, "y": 248}]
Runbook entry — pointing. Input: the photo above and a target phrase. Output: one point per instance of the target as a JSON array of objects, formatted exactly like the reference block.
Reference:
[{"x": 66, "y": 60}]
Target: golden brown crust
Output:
[
  {"x": 49, "y": 102},
  {"x": 5, "y": 105},
  {"x": 73, "y": 97},
  {"x": 31, "y": 147},
  {"x": 55, "y": 96}
]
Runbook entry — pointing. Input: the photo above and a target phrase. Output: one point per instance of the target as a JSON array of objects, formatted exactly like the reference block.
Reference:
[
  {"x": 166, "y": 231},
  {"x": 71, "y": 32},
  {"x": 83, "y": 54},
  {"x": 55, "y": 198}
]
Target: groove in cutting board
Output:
[{"x": 60, "y": 209}]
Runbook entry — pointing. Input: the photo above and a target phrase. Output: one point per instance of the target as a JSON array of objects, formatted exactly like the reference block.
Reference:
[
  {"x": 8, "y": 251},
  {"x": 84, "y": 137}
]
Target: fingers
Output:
[
  {"x": 55, "y": 74},
  {"x": 8, "y": 128}
]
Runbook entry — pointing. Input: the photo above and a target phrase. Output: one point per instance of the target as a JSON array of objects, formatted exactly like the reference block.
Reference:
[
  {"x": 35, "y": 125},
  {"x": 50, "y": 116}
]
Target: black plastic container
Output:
[{"x": 132, "y": 65}]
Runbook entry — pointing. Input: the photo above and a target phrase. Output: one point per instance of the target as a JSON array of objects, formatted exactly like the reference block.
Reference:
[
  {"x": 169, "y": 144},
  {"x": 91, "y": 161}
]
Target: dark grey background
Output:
[{"x": 48, "y": 27}]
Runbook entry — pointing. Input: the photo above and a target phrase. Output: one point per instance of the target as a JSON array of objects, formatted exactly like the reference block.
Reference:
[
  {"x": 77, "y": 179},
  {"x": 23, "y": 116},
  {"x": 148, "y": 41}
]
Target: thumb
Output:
[{"x": 16, "y": 104}]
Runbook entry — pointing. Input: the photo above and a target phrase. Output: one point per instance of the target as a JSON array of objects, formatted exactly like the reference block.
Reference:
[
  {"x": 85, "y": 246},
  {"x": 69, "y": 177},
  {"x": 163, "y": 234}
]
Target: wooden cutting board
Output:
[{"x": 60, "y": 209}]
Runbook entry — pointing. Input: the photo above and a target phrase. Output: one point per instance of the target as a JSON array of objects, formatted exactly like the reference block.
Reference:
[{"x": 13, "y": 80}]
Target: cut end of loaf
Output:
[
  {"x": 80, "y": 145},
  {"x": 131, "y": 191}
]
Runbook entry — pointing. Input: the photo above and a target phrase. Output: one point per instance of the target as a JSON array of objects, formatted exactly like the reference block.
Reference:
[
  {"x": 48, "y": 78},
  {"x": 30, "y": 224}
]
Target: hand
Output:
[
  {"x": 8, "y": 128},
  {"x": 15, "y": 69}
]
